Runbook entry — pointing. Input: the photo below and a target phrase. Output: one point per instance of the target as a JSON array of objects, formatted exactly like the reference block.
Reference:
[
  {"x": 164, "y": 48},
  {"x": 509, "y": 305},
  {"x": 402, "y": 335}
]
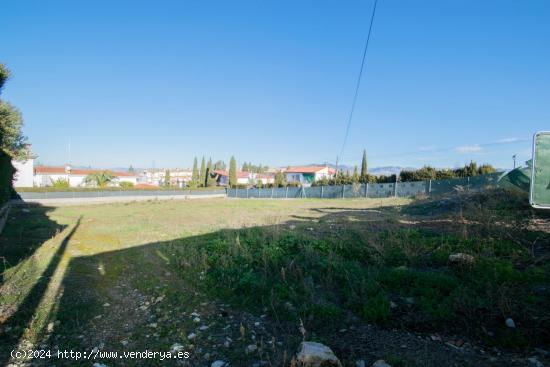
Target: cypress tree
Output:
[
  {"x": 202, "y": 173},
  {"x": 167, "y": 178},
  {"x": 364, "y": 171},
  {"x": 195, "y": 174},
  {"x": 232, "y": 172}
]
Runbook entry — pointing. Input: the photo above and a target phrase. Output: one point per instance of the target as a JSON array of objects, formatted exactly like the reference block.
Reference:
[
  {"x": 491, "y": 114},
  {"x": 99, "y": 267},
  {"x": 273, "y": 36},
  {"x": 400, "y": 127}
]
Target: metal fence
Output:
[
  {"x": 114, "y": 193},
  {"x": 379, "y": 190}
]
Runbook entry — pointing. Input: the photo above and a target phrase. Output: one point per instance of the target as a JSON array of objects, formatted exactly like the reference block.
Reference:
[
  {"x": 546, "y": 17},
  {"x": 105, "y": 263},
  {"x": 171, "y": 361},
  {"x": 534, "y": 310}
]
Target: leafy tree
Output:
[
  {"x": 131, "y": 169},
  {"x": 355, "y": 178},
  {"x": 99, "y": 179},
  {"x": 364, "y": 167},
  {"x": 232, "y": 172},
  {"x": 202, "y": 173},
  {"x": 210, "y": 181},
  {"x": 220, "y": 165},
  {"x": 167, "y": 179},
  {"x": 195, "y": 174},
  {"x": 279, "y": 180},
  {"x": 12, "y": 140}
]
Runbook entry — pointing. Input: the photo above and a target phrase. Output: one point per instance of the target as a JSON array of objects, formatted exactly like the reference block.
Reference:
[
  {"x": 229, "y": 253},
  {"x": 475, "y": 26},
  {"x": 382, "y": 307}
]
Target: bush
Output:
[
  {"x": 60, "y": 183},
  {"x": 6, "y": 176},
  {"x": 126, "y": 184}
]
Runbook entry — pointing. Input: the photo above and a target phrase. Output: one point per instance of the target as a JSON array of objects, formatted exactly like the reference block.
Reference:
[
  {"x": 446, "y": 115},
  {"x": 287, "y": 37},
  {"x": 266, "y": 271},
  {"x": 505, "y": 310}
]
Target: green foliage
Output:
[
  {"x": 280, "y": 179},
  {"x": 131, "y": 169},
  {"x": 167, "y": 179},
  {"x": 232, "y": 172},
  {"x": 210, "y": 181},
  {"x": 195, "y": 174},
  {"x": 60, "y": 183},
  {"x": 430, "y": 173},
  {"x": 202, "y": 173},
  {"x": 126, "y": 184},
  {"x": 99, "y": 179},
  {"x": 6, "y": 176},
  {"x": 12, "y": 140},
  {"x": 249, "y": 167},
  {"x": 364, "y": 168}
]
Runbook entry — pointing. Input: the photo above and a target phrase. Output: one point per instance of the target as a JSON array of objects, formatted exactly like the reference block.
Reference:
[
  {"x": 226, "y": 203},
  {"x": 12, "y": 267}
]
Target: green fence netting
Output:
[{"x": 540, "y": 183}]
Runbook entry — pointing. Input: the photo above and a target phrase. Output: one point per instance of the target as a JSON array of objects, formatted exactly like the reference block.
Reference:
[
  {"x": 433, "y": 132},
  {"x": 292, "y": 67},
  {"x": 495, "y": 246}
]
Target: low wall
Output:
[{"x": 101, "y": 197}]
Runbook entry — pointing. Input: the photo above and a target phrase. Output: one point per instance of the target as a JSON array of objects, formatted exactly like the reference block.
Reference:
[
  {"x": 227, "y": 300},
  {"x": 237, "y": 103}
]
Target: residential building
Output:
[
  {"x": 47, "y": 175},
  {"x": 178, "y": 177},
  {"x": 306, "y": 175}
]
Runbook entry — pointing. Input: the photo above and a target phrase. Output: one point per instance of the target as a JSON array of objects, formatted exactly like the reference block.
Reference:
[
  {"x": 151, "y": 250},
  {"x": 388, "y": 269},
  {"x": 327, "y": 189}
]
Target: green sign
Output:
[{"x": 540, "y": 175}]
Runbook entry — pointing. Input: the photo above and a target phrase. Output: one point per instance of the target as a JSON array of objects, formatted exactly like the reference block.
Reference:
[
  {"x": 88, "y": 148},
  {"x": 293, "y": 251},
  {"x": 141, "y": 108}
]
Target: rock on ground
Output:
[
  {"x": 317, "y": 355},
  {"x": 461, "y": 258}
]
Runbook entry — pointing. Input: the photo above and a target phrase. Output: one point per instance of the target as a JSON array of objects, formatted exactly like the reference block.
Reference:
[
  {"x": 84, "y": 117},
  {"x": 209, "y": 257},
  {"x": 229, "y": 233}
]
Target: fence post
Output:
[
  {"x": 259, "y": 193},
  {"x": 343, "y": 190},
  {"x": 468, "y": 183},
  {"x": 272, "y": 191},
  {"x": 247, "y": 192},
  {"x": 286, "y": 193},
  {"x": 321, "y": 192},
  {"x": 395, "y": 189},
  {"x": 367, "y": 190},
  {"x": 429, "y": 187}
]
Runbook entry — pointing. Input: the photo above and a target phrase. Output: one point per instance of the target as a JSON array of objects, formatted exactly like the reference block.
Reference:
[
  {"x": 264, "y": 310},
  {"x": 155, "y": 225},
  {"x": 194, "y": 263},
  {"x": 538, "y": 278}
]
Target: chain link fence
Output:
[
  {"x": 29, "y": 195},
  {"x": 379, "y": 190}
]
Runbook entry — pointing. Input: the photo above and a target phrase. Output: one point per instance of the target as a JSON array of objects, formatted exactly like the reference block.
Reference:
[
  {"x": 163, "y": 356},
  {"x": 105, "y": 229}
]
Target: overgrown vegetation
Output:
[{"x": 391, "y": 274}]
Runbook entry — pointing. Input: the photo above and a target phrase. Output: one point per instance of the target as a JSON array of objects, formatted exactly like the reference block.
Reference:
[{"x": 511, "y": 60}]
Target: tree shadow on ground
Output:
[
  {"x": 19, "y": 242},
  {"x": 14, "y": 321}
]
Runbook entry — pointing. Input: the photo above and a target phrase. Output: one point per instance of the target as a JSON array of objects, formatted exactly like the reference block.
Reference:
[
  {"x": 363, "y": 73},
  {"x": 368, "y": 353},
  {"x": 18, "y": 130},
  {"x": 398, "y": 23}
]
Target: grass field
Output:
[{"x": 370, "y": 278}]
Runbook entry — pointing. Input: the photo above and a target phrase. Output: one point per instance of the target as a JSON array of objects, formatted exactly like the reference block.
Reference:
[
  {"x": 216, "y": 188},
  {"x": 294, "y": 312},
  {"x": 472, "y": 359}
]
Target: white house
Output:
[
  {"x": 178, "y": 177},
  {"x": 24, "y": 171},
  {"x": 45, "y": 176},
  {"x": 308, "y": 174}
]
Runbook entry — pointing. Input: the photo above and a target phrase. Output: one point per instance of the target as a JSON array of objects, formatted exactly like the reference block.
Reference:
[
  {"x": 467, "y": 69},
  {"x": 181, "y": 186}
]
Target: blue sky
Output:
[{"x": 129, "y": 82}]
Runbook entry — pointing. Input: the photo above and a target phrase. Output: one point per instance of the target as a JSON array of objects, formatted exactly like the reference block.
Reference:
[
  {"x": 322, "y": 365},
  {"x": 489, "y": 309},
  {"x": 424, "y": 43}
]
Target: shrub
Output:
[{"x": 126, "y": 184}]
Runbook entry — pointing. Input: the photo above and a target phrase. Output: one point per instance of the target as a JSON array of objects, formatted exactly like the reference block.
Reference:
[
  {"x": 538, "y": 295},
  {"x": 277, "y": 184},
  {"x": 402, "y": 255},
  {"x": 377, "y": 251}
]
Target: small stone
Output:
[
  {"x": 256, "y": 324},
  {"x": 510, "y": 323},
  {"x": 381, "y": 363},
  {"x": 197, "y": 320},
  {"x": 218, "y": 364},
  {"x": 251, "y": 348},
  {"x": 191, "y": 336},
  {"x": 316, "y": 354},
  {"x": 106, "y": 304},
  {"x": 393, "y": 304},
  {"x": 49, "y": 328},
  {"x": 152, "y": 325},
  {"x": 360, "y": 363},
  {"x": 203, "y": 328},
  {"x": 124, "y": 343},
  {"x": 206, "y": 356}
]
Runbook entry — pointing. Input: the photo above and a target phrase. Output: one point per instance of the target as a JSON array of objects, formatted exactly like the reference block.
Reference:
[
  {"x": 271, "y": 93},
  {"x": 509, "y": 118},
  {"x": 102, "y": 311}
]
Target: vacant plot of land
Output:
[{"x": 244, "y": 281}]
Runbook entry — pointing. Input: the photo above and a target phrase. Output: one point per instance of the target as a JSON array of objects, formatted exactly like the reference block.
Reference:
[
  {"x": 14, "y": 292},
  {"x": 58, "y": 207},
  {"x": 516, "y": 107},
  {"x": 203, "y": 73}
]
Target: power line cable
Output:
[{"x": 358, "y": 80}]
